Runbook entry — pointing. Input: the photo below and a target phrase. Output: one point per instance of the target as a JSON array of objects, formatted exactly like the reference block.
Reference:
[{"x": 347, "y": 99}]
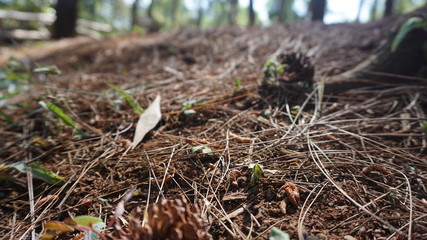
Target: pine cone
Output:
[
  {"x": 168, "y": 219},
  {"x": 288, "y": 79}
]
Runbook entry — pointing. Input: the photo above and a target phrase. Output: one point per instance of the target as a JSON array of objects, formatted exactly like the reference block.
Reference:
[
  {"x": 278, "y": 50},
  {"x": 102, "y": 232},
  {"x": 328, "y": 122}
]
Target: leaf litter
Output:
[{"x": 322, "y": 154}]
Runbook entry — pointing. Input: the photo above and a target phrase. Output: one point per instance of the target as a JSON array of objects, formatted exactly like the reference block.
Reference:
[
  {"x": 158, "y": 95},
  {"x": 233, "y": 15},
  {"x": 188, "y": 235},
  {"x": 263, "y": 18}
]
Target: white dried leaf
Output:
[{"x": 147, "y": 121}]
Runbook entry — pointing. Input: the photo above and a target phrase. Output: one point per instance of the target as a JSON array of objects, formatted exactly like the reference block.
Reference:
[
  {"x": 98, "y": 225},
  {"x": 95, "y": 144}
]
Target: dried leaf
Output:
[
  {"x": 48, "y": 198},
  {"x": 147, "y": 121},
  {"x": 234, "y": 174},
  {"x": 376, "y": 168},
  {"x": 292, "y": 193}
]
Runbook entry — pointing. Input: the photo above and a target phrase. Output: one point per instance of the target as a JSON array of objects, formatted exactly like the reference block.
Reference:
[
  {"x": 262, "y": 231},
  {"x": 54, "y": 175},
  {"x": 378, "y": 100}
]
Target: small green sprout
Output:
[
  {"x": 202, "y": 149},
  {"x": 295, "y": 110},
  {"x": 257, "y": 173},
  {"x": 272, "y": 70},
  {"x": 409, "y": 25},
  {"x": 66, "y": 119},
  {"x": 52, "y": 69},
  {"x": 187, "y": 105},
  {"x": 134, "y": 104},
  {"x": 277, "y": 234},
  {"x": 424, "y": 128},
  {"x": 237, "y": 84}
]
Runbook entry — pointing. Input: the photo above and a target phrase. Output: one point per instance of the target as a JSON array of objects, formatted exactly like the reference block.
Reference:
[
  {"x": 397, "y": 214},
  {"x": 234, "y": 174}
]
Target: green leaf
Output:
[
  {"x": 424, "y": 128},
  {"x": 87, "y": 221},
  {"x": 277, "y": 234},
  {"x": 202, "y": 149},
  {"x": 63, "y": 116},
  {"x": 99, "y": 226},
  {"x": 134, "y": 104},
  {"x": 48, "y": 69},
  {"x": 57, "y": 226},
  {"x": 237, "y": 84},
  {"x": 257, "y": 173},
  {"x": 38, "y": 172},
  {"x": 410, "y": 24},
  {"x": 189, "y": 112}
]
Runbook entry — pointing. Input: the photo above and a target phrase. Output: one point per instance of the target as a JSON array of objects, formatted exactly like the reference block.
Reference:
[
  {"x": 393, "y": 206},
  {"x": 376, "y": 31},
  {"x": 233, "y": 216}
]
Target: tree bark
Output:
[
  {"x": 406, "y": 65},
  {"x": 66, "y": 19},
  {"x": 233, "y": 12},
  {"x": 389, "y": 5},
  {"x": 175, "y": 5},
  {"x": 374, "y": 10},
  {"x": 251, "y": 13},
  {"x": 359, "y": 10},
  {"x": 134, "y": 14},
  {"x": 281, "y": 13},
  {"x": 318, "y": 8},
  {"x": 199, "y": 15}
]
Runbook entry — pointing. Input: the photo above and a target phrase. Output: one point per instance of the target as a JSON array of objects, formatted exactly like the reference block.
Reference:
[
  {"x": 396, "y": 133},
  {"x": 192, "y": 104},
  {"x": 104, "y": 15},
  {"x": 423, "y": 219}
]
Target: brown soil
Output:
[{"x": 357, "y": 158}]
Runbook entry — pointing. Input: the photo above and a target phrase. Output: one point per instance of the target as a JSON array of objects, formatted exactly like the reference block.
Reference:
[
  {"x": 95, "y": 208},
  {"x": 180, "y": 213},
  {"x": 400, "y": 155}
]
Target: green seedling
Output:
[
  {"x": 409, "y": 25},
  {"x": 295, "y": 110},
  {"x": 424, "y": 128},
  {"x": 134, "y": 104},
  {"x": 90, "y": 225},
  {"x": 272, "y": 70},
  {"x": 257, "y": 173},
  {"x": 202, "y": 149},
  {"x": 50, "y": 69},
  {"x": 237, "y": 84},
  {"x": 186, "y": 106},
  {"x": 277, "y": 234},
  {"x": 66, "y": 119},
  {"x": 36, "y": 170}
]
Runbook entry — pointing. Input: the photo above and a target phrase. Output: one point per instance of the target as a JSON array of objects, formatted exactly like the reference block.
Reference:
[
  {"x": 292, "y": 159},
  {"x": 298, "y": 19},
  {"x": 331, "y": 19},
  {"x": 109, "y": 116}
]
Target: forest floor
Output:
[{"x": 358, "y": 158}]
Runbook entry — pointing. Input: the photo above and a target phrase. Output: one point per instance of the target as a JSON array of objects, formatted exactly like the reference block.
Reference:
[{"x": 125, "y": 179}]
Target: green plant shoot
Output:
[
  {"x": 66, "y": 119},
  {"x": 134, "y": 104},
  {"x": 409, "y": 25},
  {"x": 277, "y": 234},
  {"x": 257, "y": 173}
]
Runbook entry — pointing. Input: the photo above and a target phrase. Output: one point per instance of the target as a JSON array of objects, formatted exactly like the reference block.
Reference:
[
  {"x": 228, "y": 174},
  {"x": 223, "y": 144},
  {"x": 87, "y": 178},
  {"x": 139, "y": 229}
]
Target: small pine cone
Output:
[{"x": 168, "y": 219}]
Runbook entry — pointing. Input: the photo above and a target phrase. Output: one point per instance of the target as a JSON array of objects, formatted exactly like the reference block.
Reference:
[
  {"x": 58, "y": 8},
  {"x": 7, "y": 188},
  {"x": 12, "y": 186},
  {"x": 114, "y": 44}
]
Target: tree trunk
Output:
[
  {"x": 175, "y": 5},
  {"x": 251, "y": 13},
  {"x": 374, "y": 10},
  {"x": 66, "y": 18},
  {"x": 389, "y": 5},
  {"x": 405, "y": 65},
  {"x": 317, "y": 8},
  {"x": 150, "y": 10},
  {"x": 199, "y": 15},
  {"x": 359, "y": 10},
  {"x": 281, "y": 13},
  {"x": 134, "y": 14},
  {"x": 233, "y": 12}
]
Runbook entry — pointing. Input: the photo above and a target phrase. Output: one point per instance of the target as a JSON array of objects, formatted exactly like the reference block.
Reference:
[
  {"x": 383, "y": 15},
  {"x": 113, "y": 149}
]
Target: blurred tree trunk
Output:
[
  {"x": 134, "y": 14},
  {"x": 199, "y": 15},
  {"x": 389, "y": 5},
  {"x": 317, "y": 9},
  {"x": 251, "y": 13},
  {"x": 175, "y": 4},
  {"x": 281, "y": 13},
  {"x": 150, "y": 10},
  {"x": 233, "y": 12},
  {"x": 374, "y": 10},
  {"x": 361, "y": 2},
  {"x": 66, "y": 19}
]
